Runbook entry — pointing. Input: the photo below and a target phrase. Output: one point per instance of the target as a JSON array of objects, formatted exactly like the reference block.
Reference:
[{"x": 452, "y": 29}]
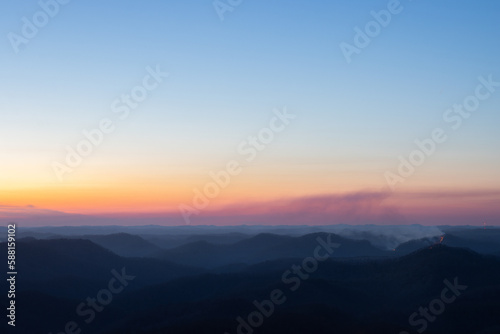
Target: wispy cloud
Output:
[
  {"x": 33, "y": 215},
  {"x": 381, "y": 208},
  {"x": 7, "y": 211},
  {"x": 355, "y": 208},
  {"x": 384, "y": 208}
]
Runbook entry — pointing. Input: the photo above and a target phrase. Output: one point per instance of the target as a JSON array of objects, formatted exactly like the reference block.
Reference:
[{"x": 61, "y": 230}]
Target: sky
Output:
[{"x": 250, "y": 112}]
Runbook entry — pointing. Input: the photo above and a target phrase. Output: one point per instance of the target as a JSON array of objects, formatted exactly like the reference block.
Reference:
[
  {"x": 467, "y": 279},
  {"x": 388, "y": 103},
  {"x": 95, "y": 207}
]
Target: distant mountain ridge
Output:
[
  {"x": 361, "y": 289},
  {"x": 124, "y": 244},
  {"x": 264, "y": 247}
]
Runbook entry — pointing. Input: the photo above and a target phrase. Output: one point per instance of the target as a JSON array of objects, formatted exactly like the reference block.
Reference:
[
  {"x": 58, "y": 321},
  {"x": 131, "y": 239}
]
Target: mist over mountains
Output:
[{"x": 386, "y": 236}]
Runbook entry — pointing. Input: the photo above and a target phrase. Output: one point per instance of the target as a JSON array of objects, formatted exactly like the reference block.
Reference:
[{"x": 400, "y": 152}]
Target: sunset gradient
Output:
[{"x": 228, "y": 86}]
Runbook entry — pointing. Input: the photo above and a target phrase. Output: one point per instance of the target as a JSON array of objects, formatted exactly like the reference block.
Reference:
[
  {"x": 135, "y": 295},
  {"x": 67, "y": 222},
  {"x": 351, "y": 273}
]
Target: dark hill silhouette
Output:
[
  {"x": 414, "y": 245},
  {"x": 481, "y": 241},
  {"x": 369, "y": 297},
  {"x": 264, "y": 247},
  {"x": 124, "y": 244},
  {"x": 169, "y": 241},
  {"x": 77, "y": 266}
]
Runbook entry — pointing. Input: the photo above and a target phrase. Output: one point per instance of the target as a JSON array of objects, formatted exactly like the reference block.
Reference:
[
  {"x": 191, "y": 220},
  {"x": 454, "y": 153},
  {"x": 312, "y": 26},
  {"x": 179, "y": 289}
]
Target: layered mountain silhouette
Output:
[
  {"x": 124, "y": 244},
  {"x": 211, "y": 287},
  {"x": 265, "y": 247}
]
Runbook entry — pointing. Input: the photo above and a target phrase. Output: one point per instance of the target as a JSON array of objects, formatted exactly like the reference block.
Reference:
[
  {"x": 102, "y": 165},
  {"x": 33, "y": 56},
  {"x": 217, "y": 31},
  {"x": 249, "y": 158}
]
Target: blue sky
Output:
[{"x": 227, "y": 76}]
